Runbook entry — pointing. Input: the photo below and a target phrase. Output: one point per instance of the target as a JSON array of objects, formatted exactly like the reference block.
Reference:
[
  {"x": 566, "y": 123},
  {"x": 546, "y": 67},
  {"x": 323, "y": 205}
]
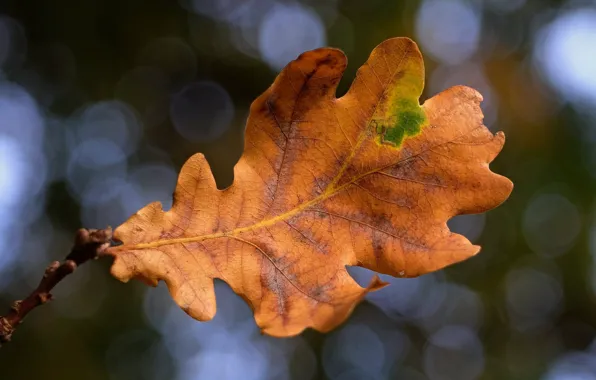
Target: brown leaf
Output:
[{"x": 369, "y": 179}]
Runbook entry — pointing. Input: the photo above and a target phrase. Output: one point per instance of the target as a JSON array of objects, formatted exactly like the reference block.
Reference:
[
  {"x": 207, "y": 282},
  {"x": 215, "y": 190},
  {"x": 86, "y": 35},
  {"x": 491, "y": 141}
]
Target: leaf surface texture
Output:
[{"x": 368, "y": 179}]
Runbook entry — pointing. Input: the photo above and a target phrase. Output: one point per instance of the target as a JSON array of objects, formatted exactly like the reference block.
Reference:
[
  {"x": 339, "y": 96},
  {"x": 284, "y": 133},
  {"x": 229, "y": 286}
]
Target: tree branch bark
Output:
[{"x": 88, "y": 245}]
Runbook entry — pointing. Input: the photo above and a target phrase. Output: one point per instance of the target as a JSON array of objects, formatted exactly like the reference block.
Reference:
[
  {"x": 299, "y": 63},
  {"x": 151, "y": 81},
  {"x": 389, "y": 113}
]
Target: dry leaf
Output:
[{"x": 369, "y": 179}]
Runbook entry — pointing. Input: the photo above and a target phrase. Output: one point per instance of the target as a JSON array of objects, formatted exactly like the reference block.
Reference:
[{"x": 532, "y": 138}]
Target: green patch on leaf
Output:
[{"x": 406, "y": 120}]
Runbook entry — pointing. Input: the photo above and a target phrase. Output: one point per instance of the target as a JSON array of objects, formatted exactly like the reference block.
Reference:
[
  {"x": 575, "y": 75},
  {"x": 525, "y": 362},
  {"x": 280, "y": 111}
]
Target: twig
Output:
[{"x": 88, "y": 245}]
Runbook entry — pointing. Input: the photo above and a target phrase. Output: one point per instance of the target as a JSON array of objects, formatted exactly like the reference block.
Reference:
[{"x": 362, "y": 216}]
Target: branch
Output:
[{"x": 88, "y": 245}]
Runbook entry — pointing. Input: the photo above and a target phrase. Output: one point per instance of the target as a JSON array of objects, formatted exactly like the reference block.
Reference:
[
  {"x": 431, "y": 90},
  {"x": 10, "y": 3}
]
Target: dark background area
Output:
[{"x": 101, "y": 102}]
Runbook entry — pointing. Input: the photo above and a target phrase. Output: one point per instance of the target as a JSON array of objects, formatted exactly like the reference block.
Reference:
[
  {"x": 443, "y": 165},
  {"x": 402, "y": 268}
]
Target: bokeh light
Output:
[
  {"x": 471, "y": 226},
  {"x": 202, "y": 111},
  {"x": 114, "y": 121},
  {"x": 150, "y": 183},
  {"x": 534, "y": 298},
  {"x": 551, "y": 224},
  {"x": 562, "y": 51},
  {"x": 231, "y": 337},
  {"x": 454, "y": 352},
  {"x": 573, "y": 366},
  {"x": 92, "y": 159},
  {"x": 461, "y": 306},
  {"x": 13, "y": 172},
  {"x": 23, "y": 168},
  {"x": 287, "y": 31},
  {"x": 448, "y": 29},
  {"x": 354, "y": 347},
  {"x": 21, "y": 117}
]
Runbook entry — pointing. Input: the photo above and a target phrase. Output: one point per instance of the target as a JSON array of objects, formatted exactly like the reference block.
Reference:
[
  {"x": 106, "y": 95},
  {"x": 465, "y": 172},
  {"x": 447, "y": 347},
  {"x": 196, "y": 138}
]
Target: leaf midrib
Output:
[
  {"x": 264, "y": 223},
  {"x": 271, "y": 221},
  {"x": 330, "y": 191}
]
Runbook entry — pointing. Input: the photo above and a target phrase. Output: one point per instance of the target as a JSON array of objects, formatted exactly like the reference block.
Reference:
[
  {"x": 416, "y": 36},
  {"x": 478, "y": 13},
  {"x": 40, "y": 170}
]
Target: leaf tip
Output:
[
  {"x": 393, "y": 42},
  {"x": 376, "y": 284}
]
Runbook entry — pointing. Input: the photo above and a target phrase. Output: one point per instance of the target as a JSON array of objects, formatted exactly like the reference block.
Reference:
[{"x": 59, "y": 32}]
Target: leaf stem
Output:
[{"x": 88, "y": 244}]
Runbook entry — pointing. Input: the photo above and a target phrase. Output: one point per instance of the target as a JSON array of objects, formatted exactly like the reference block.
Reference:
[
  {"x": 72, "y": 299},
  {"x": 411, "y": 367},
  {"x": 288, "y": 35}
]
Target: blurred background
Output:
[{"x": 101, "y": 102}]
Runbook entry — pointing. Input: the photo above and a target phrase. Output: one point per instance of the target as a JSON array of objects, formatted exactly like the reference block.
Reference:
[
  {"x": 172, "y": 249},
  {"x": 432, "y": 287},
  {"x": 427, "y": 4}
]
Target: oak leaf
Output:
[{"x": 369, "y": 179}]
